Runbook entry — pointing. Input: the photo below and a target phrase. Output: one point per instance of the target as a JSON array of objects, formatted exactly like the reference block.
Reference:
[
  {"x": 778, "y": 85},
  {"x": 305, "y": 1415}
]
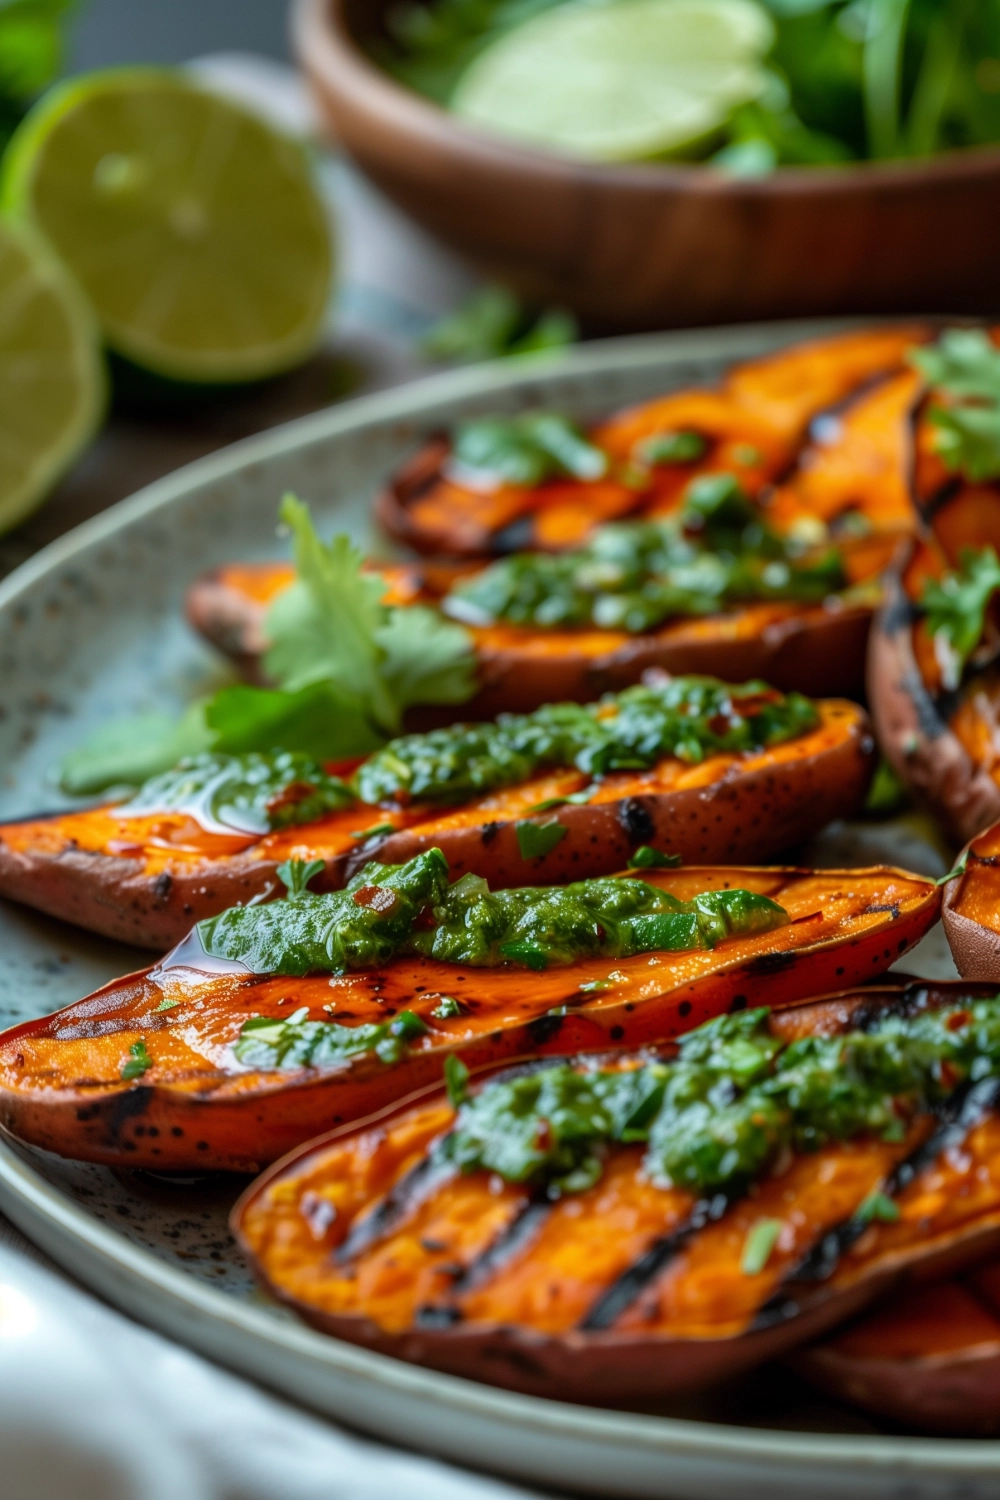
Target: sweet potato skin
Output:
[
  {"x": 701, "y": 1334},
  {"x": 970, "y": 912},
  {"x": 60, "y": 1076},
  {"x": 730, "y": 808},
  {"x": 928, "y": 1361},
  {"x": 921, "y": 746}
]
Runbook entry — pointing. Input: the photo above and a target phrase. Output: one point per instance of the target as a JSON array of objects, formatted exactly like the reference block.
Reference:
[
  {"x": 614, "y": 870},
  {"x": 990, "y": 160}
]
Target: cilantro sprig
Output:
[
  {"x": 964, "y": 367},
  {"x": 955, "y": 610},
  {"x": 346, "y": 667}
]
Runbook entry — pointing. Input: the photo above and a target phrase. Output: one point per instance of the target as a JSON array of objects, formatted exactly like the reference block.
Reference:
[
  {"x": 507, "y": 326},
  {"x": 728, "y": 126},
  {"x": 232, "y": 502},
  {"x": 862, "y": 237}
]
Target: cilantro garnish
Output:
[
  {"x": 955, "y": 610},
  {"x": 346, "y": 666},
  {"x": 525, "y": 450},
  {"x": 964, "y": 366}
]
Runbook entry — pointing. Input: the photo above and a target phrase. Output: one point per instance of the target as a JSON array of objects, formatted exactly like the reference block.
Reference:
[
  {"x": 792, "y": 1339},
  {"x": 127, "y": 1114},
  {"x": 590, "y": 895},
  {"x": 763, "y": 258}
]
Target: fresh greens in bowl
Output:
[{"x": 807, "y": 82}]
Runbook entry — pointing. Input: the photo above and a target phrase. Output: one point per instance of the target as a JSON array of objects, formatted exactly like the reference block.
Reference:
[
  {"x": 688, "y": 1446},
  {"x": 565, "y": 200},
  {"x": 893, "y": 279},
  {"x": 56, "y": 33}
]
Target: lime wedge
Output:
[
  {"x": 52, "y": 380},
  {"x": 622, "y": 81},
  {"x": 193, "y": 226}
]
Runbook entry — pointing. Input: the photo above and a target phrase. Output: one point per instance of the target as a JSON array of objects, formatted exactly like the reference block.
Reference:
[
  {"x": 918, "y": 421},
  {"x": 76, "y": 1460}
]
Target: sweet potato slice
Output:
[
  {"x": 815, "y": 649},
  {"x": 752, "y": 425},
  {"x": 971, "y": 909},
  {"x": 146, "y": 879},
  {"x": 625, "y": 1291},
  {"x": 944, "y": 744},
  {"x": 194, "y": 1105},
  {"x": 928, "y": 1360}
]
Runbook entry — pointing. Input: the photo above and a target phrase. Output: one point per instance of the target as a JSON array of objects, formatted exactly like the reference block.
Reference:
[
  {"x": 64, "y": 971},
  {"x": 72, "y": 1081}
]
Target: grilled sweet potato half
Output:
[
  {"x": 928, "y": 1360},
  {"x": 617, "y": 1230},
  {"x": 934, "y": 659},
  {"x": 793, "y": 604},
  {"x": 270, "y": 1024},
  {"x": 707, "y": 773},
  {"x": 971, "y": 909},
  {"x": 752, "y": 426}
]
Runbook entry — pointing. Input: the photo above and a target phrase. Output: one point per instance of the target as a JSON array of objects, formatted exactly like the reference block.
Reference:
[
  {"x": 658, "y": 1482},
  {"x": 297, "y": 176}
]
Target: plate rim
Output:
[
  {"x": 27, "y": 1196},
  {"x": 20, "y": 1182}
]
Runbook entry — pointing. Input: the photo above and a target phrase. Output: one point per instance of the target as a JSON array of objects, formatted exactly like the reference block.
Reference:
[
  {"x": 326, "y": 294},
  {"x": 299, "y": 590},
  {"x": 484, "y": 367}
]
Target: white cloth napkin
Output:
[{"x": 94, "y": 1407}]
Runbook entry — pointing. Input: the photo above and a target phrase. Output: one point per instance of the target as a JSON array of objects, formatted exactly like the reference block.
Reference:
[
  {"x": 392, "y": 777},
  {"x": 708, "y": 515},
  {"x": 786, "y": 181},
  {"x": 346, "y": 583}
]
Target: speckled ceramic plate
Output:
[{"x": 92, "y": 628}]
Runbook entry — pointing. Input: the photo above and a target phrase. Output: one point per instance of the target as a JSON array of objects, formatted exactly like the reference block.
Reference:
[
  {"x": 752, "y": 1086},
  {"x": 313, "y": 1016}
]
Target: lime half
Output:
[
  {"x": 193, "y": 227},
  {"x": 622, "y": 81},
  {"x": 52, "y": 380}
]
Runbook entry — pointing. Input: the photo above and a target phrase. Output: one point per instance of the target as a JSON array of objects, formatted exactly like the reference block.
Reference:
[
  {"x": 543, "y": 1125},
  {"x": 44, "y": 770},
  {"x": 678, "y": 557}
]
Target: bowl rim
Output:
[{"x": 335, "y": 63}]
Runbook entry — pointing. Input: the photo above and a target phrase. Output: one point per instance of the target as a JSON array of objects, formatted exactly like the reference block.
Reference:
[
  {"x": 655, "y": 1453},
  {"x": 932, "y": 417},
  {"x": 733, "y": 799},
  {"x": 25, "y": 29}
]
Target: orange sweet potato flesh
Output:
[
  {"x": 754, "y": 424},
  {"x": 60, "y": 1077},
  {"x": 145, "y": 880},
  {"x": 946, "y": 748},
  {"x": 510, "y": 1282}
]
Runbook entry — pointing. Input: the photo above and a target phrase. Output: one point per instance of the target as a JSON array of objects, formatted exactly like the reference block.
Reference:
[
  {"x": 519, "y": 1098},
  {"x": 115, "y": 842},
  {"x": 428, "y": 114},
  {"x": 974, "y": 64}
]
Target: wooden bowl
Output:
[{"x": 659, "y": 245}]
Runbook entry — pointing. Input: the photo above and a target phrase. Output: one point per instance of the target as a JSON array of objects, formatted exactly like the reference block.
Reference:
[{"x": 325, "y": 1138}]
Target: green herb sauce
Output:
[
  {"x": 249, "y": 793},
  {"x": 688, "y": 717},
  {"x": 360, "y": 927},
  {"x": 735, "y": 1099},
  {"x": 633, "y": 575},
  {"x": 296, "y": 1042},
  {"x": 388, "y": 910}
]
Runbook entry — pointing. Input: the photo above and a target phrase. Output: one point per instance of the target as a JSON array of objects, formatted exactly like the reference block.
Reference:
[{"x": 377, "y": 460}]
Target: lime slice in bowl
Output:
[
  {"x": 52, "y": 378},
  {"x": 622, "y": 81},
  {"x": 193, "y": 227}
]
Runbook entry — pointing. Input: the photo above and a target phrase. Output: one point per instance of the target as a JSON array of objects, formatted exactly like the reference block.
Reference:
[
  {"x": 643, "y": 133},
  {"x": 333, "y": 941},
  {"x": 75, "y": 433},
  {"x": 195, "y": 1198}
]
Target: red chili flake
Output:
[
  {"x": 544, "y": 1139},
  {"x": 378, "y": 897},
  {"x": 958, "y": 1019},
  {"x": 719, "y": 724}
]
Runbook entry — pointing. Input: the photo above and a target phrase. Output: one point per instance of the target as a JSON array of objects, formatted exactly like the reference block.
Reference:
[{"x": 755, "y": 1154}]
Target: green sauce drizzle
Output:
[
  {"x": 633, "y": 575},
  {"x": 251, "y": 793},
  {"x": 732, "y": 1103},
  {"x": 688, "y": 717},
  {"x": 388, "y": 910}
]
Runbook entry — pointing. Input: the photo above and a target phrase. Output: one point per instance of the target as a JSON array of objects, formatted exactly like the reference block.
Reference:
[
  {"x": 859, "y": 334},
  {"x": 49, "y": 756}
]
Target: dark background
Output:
[{"x": 166, "y": 31}]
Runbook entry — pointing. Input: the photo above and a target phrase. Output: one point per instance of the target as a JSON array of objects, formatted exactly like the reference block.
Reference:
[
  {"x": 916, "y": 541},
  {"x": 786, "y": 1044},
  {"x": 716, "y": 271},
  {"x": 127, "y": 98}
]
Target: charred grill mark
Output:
[
  {"x": 511, "y": 1240},
  {"x": 162, "y": 885},
  {"x": 517, "y": 537},
  {"x": 772, "y": 963},
  {"x": 622, "y": 1292},
  {"x": 876, "y": 906},
  {"x": 929, "y": 720},
  {"x": 411, "y": 1189},
  {"x": 636, "y": 819},
  {"x": 544, "y": 1028},
  {"x": 957, "y": 1117}
]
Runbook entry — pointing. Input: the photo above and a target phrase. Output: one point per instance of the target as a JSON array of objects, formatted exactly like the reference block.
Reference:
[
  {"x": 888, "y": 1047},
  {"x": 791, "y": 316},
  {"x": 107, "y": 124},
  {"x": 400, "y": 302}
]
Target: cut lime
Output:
[
  {"x": 623, "y": 81},
  {"x": 51, "y": 372},
  {"x": 193, "y": 227}
]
